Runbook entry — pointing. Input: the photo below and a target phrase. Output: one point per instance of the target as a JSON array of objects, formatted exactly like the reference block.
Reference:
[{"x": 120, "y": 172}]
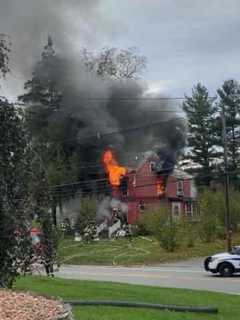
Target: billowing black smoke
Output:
[
  {"x": 117, "y": 114},
  {"x": 96, "y": 113}
]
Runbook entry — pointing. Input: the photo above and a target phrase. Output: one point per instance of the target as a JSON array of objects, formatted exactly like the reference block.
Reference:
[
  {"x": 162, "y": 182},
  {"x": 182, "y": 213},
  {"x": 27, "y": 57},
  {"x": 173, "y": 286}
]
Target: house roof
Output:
[
  {"x": 180, "y": 174},
  {"x": 177, "y": 172}
]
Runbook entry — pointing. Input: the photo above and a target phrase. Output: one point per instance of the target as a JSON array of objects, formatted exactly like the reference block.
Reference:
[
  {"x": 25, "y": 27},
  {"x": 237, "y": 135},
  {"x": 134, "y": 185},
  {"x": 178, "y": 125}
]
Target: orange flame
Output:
[
  {"x": 114, "y": 171},
  {"x": 160, "y": 187}
]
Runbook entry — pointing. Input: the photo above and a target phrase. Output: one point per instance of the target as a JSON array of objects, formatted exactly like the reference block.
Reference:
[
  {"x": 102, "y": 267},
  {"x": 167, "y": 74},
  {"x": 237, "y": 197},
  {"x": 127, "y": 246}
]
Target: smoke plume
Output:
[
  {"x": 116, "y": 114},
  {"x": 103, "y": 114}
]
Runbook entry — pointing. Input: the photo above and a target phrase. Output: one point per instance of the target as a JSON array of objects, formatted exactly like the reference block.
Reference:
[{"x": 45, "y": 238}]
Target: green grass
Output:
[
  {"x": 74, "y": 289},
  {"x": 140, "y": 251}
]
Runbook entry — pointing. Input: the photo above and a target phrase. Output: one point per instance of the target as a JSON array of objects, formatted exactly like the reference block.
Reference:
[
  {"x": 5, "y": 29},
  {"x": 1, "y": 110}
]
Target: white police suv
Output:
[{"x": 226, "y": 264}]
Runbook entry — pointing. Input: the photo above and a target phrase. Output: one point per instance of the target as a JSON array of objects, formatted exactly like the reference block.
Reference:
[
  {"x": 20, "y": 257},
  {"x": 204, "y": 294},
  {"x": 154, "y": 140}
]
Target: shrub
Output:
[
  {"x": 158, "y": 222},
  {"x": 168, "y": 235},
  {"x": 87, "y": 212},
  {"x": 221, "y": 232},
  {"x": 187, "y": 232}
]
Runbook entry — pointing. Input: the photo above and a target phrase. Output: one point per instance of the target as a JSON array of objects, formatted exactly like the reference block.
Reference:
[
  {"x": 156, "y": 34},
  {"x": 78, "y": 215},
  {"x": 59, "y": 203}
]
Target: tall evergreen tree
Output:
[
  {"x": 4, "y": 51},
  {"x": 43, "y": 96},
  {"x": 50, "y": 128},
  {"x": 202, "y": 137},
  {"x": 230, "y": 104},
  {"x": 43, "y": 116}
]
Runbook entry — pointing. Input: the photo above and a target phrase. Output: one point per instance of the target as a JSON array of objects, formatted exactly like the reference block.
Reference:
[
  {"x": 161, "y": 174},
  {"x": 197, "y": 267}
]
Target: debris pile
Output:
[{"x": 24, "y": 306}]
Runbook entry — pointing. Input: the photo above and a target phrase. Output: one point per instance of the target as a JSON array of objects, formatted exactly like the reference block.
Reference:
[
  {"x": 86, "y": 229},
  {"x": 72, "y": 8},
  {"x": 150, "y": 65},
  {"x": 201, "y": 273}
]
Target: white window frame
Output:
[
  {"x": 180, "y": 186},
  {"x": 189, "y": 213}
]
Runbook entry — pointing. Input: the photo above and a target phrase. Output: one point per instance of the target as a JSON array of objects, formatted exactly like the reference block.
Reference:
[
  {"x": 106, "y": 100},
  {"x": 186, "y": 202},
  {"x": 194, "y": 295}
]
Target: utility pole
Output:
[{"x": 226, "y": 174}]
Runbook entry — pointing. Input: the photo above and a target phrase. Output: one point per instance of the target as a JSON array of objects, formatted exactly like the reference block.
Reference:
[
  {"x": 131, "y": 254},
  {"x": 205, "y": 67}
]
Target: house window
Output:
[
  {"x": 189, "y": 209},
  {"x": 180, "y": 188},
  {"x": 141, "y": 205},
  {"x": 176, "y": 209},
  {"x": 152, "y": 167}
]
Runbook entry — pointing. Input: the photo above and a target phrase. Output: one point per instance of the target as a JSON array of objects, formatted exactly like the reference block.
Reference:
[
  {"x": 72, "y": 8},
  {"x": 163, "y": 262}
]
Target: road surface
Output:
[{"x": 187, "y": 274}]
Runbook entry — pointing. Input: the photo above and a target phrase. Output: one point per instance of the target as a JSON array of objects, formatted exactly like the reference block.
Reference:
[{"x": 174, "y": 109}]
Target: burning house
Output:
[{"x": 153, "y": 183}]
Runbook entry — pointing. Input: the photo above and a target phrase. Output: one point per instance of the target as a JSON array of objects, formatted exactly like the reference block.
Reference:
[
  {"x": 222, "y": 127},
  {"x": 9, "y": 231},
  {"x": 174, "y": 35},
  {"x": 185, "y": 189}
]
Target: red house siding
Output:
[{"x": 142, "y": 189}]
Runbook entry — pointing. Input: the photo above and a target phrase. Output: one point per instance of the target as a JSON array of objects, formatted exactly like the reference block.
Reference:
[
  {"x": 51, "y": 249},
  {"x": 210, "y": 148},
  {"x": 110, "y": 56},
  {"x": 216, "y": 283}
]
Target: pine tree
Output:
[
  {"x": 202, "y": 137},
  {"x": 43, "y": 96},
  {"x": 4, "y": 51},
  {"x": 43, "y": 116},
  {"x": 230, "y": 104}
]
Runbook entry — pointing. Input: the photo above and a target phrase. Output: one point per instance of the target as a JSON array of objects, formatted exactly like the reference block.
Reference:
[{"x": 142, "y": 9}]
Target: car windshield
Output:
[{"x": 235, "y": 250}]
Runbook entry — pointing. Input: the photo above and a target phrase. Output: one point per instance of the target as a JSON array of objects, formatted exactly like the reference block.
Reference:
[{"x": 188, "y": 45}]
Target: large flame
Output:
[{"x": 114, "y": 171}]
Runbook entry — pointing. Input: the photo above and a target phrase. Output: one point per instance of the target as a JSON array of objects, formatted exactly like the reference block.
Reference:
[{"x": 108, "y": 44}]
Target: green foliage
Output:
[
  {"x": 208, "y": 228},
  {"x": 235, "y": 208},
  {"x": 187, "y": 232},
  {"x": 4, "y": 52},
  {"x": 142, "y": 226},
  {"x": 169, "y": 232},
  {"x": 212, "y": 211},
  {"x": 209, "y": 215},
  {"x": 168, "y": 236},
  {"x": 87, "y": 212},
  {"x": 202, "y": 136},
  {"x": 229, "y": 103},
  {"x": 41, "y": 204},
  {"x": 14, "y": 194},
  {"x": 159, "y": 222}
]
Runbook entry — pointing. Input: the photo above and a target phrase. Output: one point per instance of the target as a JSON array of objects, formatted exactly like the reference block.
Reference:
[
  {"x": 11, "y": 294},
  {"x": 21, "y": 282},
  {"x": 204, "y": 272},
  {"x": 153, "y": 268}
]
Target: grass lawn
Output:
[
  {"x": 74, "y": 289},
  {"x": 142, "y": 250}
]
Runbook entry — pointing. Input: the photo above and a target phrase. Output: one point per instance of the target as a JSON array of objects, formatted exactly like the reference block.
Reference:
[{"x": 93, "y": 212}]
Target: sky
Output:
[{"x": 184, "y": 41}]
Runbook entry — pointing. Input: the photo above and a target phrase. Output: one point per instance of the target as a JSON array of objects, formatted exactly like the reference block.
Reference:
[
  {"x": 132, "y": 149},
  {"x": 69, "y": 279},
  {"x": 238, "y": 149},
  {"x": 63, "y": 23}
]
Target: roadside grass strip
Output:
[
  {"x": 139, "y": 251},
  {"x": 227, "y": 305}
]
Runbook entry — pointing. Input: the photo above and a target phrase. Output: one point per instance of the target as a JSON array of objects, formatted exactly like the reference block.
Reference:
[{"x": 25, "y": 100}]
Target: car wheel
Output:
[
  {"x": 206, "y": 263},
  {"x": 226, "y": 269}
]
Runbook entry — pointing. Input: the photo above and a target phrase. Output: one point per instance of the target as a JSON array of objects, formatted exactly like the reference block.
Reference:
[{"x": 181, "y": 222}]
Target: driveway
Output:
[{"x": 186, "y": 274}]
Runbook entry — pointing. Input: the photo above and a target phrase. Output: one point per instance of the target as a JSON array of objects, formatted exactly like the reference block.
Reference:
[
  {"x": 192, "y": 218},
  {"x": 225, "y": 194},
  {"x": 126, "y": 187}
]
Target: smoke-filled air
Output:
[{"x": 115, "y": 113}]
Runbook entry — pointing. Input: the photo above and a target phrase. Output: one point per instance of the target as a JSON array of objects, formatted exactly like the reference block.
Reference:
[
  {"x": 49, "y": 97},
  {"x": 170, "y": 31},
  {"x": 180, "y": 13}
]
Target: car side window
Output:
[{"x": 236, "y": 251}]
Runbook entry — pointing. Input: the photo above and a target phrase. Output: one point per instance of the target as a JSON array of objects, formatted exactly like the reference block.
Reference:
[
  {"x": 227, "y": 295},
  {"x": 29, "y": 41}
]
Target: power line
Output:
[
  {"x": 131, "y": 98},
  {"x": 107, "y": 188},
  {"x": 102, "y": 188},
  {"x": 99, "y": 135}
]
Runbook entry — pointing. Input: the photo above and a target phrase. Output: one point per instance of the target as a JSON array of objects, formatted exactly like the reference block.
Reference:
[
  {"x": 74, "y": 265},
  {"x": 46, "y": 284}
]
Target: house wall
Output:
[
  {"x": 172, "y": 186},
  {"x": 142, "y": 187}
]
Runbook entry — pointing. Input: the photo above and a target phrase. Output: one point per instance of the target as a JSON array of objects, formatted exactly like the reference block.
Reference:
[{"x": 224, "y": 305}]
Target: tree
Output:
[
  {"x": 202, "y": 136},
  {"x": 114, "y": 63},
  {"x": 43, "y": 96},
  {"x": 43, "y": 117},
  {"x": 230, "y": 104},
  {"x": 15, "y": 243},
  {"x": 50, "y": 128},
  {"x": 4, "y": 51},
  {"x": 41, "y": 202},
  {"x": 87, "y": 212}
]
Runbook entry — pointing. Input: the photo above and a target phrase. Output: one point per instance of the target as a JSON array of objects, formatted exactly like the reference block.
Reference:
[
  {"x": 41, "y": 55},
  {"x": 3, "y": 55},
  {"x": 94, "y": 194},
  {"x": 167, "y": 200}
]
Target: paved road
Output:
[{"x": 187, "y": 274}]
